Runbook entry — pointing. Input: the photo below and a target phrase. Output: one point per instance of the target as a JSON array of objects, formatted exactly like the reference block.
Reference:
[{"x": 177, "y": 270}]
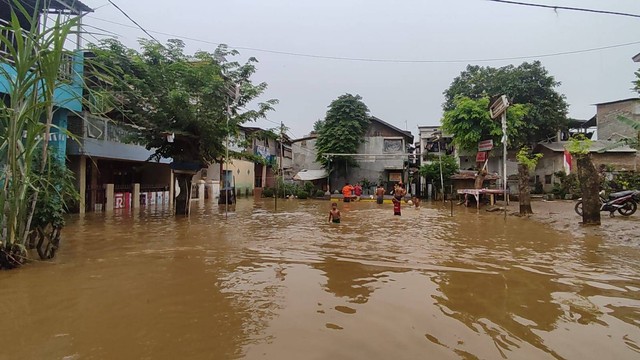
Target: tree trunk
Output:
[
  {"x": 590, "y": 186},
  {"x": 524, "y": 195},
  {"x": 184, "y": 197}
]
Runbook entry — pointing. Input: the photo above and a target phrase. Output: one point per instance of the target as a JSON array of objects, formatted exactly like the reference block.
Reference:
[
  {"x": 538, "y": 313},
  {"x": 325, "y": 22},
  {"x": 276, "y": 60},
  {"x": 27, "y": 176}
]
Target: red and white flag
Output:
[{"x": 567, "y": 161}]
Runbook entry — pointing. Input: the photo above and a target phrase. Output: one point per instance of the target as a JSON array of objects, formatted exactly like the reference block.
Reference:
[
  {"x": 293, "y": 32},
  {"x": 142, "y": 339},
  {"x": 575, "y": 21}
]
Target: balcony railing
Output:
[
  {"x": 65, "y": 73},
  {"x": 99, "y": 128}
]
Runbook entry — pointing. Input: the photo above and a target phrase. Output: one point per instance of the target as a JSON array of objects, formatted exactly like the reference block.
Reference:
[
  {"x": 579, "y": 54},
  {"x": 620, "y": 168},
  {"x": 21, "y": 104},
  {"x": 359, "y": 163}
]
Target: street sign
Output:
[
  {"x": 498, "y": 107},
  {"x": 485, "y": 145},
  {"x": 481, "y": 156}
]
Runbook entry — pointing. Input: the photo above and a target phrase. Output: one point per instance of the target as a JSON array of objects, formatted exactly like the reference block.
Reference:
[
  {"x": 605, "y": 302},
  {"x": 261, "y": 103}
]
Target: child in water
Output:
[
  {"x": 334, "y": 214},
  {"x": 396, "y": 207}
]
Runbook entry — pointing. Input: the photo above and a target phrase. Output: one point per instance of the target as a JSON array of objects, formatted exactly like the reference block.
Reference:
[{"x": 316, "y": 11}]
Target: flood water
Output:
[{"x": 289, "y": 285}]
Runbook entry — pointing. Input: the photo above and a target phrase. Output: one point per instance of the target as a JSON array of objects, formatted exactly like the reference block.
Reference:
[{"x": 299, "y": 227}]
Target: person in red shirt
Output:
[{"x": 357, "y": 190}]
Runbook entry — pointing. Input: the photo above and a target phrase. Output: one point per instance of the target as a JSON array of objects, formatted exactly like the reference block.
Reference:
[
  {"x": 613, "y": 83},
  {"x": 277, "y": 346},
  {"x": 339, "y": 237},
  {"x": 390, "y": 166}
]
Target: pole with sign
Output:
[{"x": 499, "y": 108}]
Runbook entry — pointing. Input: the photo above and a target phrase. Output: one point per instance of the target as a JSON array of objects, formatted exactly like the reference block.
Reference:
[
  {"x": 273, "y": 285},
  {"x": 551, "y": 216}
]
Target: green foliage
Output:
[
  {"x": 342, "y": 130},
  {"x": 469, "y": 120},
  {"x": 56, "y": 191},
  {"x": 26, "y": 118},
  {"x": 579, "y": 145},
  {"x": 164, "y": 91},
  {"x": 268, "y": 192},
  {"x": 309, "y": 187},
  {"x": 319, "y": 193},
  {"x": 431, "y": 170},
  {"x": 636, "y": 82},
  {"x": 569, "y": 184},
  {"x": 529, "y": 84},
  {"x": 626, "y": 181},
  {"x": 525, "y": 157},
  {"x": 302, "y": 194}
]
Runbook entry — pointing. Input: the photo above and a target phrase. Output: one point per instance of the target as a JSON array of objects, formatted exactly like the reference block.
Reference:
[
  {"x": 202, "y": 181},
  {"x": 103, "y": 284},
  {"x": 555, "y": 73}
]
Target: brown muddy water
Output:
[{"x": 289, "y": 285}]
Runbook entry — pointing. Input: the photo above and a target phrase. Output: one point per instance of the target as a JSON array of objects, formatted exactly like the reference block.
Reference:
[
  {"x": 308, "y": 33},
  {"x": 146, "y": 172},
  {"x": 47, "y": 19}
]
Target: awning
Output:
[{"x": 308, "y": 175}]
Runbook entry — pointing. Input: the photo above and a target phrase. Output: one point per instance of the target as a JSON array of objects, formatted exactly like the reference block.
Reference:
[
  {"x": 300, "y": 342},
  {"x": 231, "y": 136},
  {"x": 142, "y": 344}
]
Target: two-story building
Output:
[
  {"x": 68, "y": 91},
  {"x": 382, "y": 158}
]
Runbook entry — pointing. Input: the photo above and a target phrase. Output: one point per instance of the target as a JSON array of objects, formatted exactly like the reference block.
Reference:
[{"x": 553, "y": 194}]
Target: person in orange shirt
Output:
[{"x": 346, "y": 192}]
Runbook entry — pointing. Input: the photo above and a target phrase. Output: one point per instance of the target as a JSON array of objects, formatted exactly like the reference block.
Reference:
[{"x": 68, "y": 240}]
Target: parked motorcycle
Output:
[{"x": 624, "y": 202}]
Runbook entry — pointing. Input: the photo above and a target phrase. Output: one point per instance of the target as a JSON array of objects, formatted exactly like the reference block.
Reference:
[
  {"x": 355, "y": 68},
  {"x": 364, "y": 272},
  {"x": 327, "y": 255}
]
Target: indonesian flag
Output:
[{"x": 566, "y": 159}]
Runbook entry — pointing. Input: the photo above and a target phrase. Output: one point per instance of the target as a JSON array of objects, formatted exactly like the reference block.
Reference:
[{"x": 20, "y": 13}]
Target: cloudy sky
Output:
[{"x": 443, "y": 36}]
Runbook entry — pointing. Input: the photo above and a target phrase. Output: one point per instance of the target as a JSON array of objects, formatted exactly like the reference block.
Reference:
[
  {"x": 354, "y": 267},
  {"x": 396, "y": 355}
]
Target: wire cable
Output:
[
  {"x": 377, "y": 60},
  {"x": 555, "y": 7},
  {"x": 135, "y": 22}
]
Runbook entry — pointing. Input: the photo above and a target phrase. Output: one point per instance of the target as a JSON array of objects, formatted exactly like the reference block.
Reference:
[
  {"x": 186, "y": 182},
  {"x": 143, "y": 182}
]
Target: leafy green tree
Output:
[
  {"x": 529, "y": 84},
  {"x": 636, "y": 82},
  {"x": 169, "y": 94},
  {"x": 342, "y": 131},
  {"x": 470, "y": 122},
  {"x": 431, "y": 170}
]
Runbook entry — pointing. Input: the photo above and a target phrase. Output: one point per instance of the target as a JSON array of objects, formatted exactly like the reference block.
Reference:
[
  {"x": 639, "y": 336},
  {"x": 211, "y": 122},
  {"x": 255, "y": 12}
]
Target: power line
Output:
[
  {"x": 133, "y": 21},
  {"x": 376, "y": 60},
  {"x": 555, "y": 7}
]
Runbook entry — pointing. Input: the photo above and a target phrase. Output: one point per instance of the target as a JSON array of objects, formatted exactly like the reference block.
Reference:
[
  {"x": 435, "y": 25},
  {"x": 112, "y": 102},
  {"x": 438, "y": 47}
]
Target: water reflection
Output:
[{"x": 286, "y": 284}]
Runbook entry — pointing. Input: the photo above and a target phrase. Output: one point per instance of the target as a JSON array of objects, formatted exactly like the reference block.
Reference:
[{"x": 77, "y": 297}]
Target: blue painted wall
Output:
[{"x": 66, "y": 95}]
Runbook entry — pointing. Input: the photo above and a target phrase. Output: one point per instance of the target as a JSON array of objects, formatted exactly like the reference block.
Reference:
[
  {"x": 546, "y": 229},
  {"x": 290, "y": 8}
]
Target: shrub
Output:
[
  {"x": 319, "y": 193},
  {"x": 267, "y": 192},
  {"x": 308, "y": 187},
  {"x": 301, "y": 194}
]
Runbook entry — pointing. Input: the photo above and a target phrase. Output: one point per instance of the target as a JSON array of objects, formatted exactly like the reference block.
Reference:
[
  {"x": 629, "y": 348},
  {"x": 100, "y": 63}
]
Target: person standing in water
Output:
[
  {"x": 398, "y": 193},
  {"x": 334, "y": 214},
  {"x": 380, "y": 194},
  {"x": 346, "y": 192}
]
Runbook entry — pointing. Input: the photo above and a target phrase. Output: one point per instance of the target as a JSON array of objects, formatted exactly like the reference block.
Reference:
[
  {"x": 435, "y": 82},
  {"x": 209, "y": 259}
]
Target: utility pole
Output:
[{"x": 279, "y": 168}]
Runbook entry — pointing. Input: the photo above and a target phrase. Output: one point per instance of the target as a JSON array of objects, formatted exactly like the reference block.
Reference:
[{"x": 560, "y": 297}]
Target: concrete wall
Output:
[
  {"x": 304, "y": 155},
  {"x": 611, "y": 128},
  {"x": 243, "y": 174},
  {"x": 552, "y": 162}
]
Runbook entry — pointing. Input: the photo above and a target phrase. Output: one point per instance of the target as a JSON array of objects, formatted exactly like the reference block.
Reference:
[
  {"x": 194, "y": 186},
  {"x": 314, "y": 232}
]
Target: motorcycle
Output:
[{"x": 624, "y": 202}]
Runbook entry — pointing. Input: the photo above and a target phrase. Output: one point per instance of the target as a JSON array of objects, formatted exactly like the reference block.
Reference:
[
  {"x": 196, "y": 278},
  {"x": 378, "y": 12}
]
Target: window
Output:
[
  {"x": 377, "y": 133},
  {"x": 303, "y": 143},
  {"x": 392, "y": 146},
  {"x": 547, "y": 179}
]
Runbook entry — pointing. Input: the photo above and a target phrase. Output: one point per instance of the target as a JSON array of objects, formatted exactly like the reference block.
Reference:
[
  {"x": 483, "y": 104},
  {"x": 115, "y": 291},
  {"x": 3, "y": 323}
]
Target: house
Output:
[
  {"x": 609, "y": 127},
  {"x": 431, "y": 144},
  {"x": 554, "y": 159},
  {"x": 304, "y": 165},
  {"x": 68, "y": 94},
  {"x": 381, "y": 157},
  {"x": 255, "y": 156},
  {"x": 112, "y": 171}
]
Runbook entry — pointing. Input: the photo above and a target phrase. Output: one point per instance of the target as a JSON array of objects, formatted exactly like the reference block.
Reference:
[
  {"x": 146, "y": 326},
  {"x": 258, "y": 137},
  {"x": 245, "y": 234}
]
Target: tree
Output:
[
  {"x": 526, "y": 163},
  {"x": 529, "y": 84},
  {"x": 165, "y": 92},
  {"x": 588, "y": 178},
  {"x": 342, "y": 131},
  {"x": 469, "y": 121},
  {"x": 33, "y": 188},
  {"x": 431, "y": 170},
  {"x": 636, "y": 82}
]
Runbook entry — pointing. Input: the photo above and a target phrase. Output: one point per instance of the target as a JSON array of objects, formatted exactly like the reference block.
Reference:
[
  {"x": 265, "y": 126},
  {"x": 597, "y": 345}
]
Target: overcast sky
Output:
[{"x": 403, "y": 94}]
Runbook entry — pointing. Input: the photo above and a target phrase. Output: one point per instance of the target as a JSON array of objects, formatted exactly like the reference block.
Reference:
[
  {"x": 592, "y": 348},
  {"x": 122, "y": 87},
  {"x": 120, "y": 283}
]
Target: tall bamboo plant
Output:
[{"x": 26, "y": 118}]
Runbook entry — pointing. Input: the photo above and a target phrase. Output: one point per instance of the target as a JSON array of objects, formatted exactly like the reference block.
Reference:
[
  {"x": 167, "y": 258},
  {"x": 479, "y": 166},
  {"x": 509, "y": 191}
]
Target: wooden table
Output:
[{"x": 477, "y": 192}]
